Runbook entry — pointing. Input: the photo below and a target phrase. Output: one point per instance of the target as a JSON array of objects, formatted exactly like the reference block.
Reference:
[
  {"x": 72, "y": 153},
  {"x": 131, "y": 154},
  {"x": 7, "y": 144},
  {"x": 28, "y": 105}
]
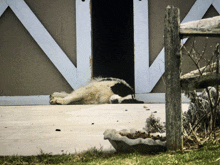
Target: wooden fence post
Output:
[{"x": 172, "y": 42}]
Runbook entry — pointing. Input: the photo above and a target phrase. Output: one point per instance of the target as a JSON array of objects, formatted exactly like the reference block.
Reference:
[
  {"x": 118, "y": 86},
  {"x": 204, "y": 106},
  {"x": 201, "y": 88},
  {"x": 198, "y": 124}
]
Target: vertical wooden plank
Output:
[
  {"x": 84, "y": 41},
  {"x": 141, "y": 46},
  {"x": 172, "y": 43}
]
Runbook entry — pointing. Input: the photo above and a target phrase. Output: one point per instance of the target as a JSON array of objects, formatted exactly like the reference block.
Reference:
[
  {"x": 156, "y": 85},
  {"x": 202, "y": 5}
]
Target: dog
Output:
[{"x": 98, "y": 91}]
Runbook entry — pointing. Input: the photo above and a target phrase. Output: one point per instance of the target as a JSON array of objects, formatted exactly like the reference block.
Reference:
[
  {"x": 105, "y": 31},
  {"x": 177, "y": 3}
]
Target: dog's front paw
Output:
[
  {"x": 52, "y": 100},
  {"x": 56, "y": 101}
]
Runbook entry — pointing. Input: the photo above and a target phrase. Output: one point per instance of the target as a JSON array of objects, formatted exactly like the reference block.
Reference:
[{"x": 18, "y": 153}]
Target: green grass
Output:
[{"x": 209, "y": 154}]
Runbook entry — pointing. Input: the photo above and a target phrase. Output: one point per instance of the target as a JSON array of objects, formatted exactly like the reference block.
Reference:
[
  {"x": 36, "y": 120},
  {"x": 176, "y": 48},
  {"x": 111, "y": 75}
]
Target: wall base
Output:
[{"x": 44, "y": 99}]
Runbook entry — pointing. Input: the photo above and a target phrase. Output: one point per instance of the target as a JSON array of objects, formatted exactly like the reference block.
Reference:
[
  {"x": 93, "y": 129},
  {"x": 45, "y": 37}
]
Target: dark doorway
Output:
[{"x": 113, "y": 39}]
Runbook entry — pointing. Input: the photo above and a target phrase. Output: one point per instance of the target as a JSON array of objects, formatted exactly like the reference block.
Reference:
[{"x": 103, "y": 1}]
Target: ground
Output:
[{"x": 57, "y": 129}]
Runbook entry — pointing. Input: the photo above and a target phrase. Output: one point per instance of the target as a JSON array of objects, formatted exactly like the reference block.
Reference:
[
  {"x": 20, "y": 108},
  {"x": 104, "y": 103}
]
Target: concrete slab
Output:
[{"x": 57, "y": 129}]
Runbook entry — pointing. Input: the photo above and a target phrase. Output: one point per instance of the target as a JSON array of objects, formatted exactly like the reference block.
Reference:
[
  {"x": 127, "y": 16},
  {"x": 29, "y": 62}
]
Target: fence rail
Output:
[{"x": 209, "y": 27}]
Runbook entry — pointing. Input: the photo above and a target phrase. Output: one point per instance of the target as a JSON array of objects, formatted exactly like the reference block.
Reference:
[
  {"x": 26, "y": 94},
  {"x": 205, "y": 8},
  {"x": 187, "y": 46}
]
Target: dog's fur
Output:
[{"x": 98, "y": 91}]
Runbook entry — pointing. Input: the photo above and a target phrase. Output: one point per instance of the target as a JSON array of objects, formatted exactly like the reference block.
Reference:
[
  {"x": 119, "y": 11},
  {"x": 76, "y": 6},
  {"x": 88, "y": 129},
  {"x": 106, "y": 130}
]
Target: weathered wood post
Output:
[{"x": 172, "y": 42}]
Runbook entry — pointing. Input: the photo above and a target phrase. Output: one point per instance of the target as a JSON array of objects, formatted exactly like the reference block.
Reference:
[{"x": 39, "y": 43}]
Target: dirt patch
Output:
[{"x": 143, "y": 135}]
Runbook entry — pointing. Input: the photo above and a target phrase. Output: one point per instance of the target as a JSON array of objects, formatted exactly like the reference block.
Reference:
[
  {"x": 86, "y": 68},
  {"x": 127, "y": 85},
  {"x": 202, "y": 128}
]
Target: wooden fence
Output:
[{"x": 173, "y": 33}]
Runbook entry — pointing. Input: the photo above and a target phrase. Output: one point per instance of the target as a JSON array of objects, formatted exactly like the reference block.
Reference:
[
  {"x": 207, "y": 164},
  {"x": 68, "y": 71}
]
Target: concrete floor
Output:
[{"x": 57, "y": 129}]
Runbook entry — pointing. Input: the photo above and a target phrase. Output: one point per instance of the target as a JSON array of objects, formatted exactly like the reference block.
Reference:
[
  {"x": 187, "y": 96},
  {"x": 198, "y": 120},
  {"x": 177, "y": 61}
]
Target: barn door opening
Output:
[{"x": 113, "y": 39}]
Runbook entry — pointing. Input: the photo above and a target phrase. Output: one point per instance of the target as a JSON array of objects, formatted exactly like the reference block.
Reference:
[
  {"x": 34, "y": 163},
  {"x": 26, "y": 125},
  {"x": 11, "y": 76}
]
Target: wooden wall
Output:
[{"x": 25, "y": 68}]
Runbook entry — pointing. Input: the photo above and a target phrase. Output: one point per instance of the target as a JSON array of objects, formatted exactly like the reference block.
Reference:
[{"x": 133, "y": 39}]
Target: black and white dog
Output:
[{"x": 98, "y": 91}]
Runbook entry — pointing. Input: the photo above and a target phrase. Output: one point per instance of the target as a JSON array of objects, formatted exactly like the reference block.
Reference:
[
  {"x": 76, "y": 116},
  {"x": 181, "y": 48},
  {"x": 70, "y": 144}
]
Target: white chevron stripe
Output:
[{"x": 3, "y": 6}]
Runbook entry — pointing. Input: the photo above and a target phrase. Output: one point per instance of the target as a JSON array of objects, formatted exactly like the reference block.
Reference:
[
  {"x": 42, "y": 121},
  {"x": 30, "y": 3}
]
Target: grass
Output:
[{"x": 209, "y": 154}]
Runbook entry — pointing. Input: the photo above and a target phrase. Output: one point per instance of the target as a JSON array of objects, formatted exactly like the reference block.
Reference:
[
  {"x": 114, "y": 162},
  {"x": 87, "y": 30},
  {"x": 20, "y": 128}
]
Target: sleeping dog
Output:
[{"x": 98, "y": 91}]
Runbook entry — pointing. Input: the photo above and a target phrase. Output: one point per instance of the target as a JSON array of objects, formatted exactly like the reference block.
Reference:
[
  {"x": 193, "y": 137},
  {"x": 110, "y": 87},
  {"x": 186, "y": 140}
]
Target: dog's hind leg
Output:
[
  {"x": 59, "y": 94},
  {"x": 70, "y": 98}
]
